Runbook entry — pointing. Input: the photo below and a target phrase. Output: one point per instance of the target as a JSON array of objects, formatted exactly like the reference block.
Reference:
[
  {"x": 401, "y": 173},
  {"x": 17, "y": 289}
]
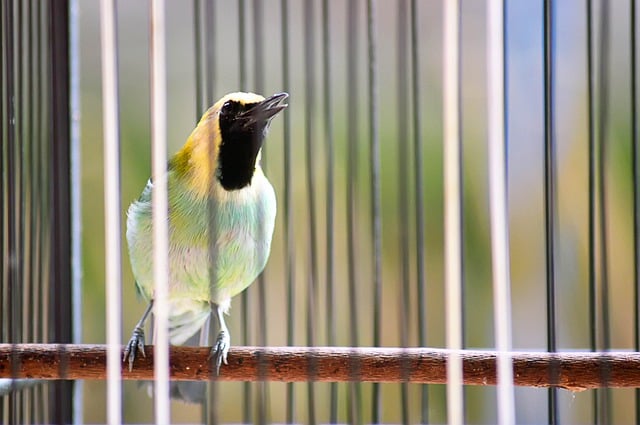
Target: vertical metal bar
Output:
[
  {"x": 13, "y": 410},
  {"x": 33, "y": 266},
  {"x": 10, "y": 169},
  {"x": 374, "y": 151},
  {"x": 453, "y": 213},
  {"x": 246, "y": 301},
  {"x": 5, "y": 125},
  {"x": 204, "y": 36},
  {"x": 31, "y": 282},
  {"x": 160, "y": 207},
  {"x": 328, "y": 134},
  {"x": 4, "y": 118},
  {"x": 76, "y": 191},
  {"x": 211, "y": 407},
  {"x": 18, "y": 202},
  {"x": 3, "y": 193},
  {"x": 12, "y": 140},
  {"x": 355, "y": 388},
  {"x": 201, "y": 28},
  {"x": 603, "y": 91},
  {"x": 30, "y": 212},
  {"x": 9, "y": 258},
  {"x": 593, "y": 329},
  {"x": 499, "y": 209},
  {"x": 242, "y": 44},
  {"x": 288, "y": 205},
  {"x": 27, "y": 233},
  {"x": 419, "y": 199},
  {"x": 258, "y": 46},
  {"x": 635, "y": 168},
  {"x": 42, "y": 306},
  {"x": 112, "y": 208},
  {"x": 32, "y": 320},
  {"x": 38, "y": 204},
  {"x": 22, "y": 193},
  {"x": 199, "y": 53},
  {"x": 25, "y": 194},
  {"x": 604, "y": 395},
  {"x": 312, "y": 291},
  {"x": 210, "y": 51},
  {"x": 597, "y": 205},
  {"x": 205, "y": 63},
  {"x": 46, "y": 152},
  {"x": 549, "y": 194},
  {"x": 259, "y": 77},
  {"x": 61, "y": 199},
  {"x": 19, "y": 188},
  {"x": 402, "y": 123}
]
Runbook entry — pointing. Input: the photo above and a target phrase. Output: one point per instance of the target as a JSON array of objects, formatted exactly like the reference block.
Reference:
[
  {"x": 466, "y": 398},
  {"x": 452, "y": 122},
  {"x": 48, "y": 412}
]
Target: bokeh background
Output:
[{"x": 525, "y": 164}]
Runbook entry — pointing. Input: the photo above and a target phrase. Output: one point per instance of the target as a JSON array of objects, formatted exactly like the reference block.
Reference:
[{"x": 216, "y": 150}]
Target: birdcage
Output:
[{"x": 458, "y": 210}]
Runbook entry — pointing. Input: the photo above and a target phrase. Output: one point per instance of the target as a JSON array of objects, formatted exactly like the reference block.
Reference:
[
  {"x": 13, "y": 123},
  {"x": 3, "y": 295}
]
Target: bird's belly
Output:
[
  {"x": 237, "y": 260},
  {"x": 239, "y": 257}
]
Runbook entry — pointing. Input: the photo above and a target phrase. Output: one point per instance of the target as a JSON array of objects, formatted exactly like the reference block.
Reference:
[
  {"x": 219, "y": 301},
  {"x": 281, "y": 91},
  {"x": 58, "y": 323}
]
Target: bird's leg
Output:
[
  {"x": 223, "y": 341},
  {"x": 136, "y": 343}
]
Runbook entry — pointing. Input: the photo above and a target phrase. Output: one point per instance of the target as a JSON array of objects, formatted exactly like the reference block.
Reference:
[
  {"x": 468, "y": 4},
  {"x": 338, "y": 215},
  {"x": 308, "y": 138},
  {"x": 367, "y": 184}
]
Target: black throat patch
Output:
[{"x": 241, "y": 140}]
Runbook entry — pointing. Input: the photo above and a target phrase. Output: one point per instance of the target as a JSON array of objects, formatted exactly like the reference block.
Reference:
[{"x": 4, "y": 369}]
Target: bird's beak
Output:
[{"x": 264, "y": 111}]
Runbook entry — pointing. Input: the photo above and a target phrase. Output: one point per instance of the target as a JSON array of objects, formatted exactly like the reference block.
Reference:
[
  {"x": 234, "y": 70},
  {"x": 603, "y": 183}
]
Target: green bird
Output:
[{"x": 215, "y": 176}]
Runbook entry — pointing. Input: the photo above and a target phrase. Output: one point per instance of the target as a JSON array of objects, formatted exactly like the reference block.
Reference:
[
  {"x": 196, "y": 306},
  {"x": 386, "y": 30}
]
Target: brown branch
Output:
[{"x": 572, "y": 370}]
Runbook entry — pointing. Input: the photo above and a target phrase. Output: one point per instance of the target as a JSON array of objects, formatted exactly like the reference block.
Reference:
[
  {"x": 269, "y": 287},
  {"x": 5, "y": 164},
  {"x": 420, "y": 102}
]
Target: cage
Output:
[{"x": 457, "y": 200}]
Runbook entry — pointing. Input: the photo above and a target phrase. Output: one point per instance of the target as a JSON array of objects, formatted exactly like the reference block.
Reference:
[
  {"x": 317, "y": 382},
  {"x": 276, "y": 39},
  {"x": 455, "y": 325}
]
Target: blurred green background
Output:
[{"x": 525, "y": 113}]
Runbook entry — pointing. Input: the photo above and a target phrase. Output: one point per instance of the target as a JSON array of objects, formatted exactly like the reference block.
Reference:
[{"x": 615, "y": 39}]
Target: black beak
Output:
[{"x": 264, "y": 111}]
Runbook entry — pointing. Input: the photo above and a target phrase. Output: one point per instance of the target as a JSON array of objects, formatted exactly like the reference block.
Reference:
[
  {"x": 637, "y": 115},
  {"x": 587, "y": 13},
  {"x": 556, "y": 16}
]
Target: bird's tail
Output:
[
  {"x": 189, "y": 331},
  {"x": 184, "y": 328},
  {"x": 192, "y": 391}
]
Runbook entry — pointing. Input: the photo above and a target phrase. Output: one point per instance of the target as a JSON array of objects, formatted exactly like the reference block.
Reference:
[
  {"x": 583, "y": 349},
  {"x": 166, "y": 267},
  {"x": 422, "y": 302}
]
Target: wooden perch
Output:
[{"x": 574, "y": 371}]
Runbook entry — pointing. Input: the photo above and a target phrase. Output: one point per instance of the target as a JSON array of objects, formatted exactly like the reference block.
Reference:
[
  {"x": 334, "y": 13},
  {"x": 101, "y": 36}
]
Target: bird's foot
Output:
[
  {"x": 221, "y": 349},
  {"x": 134, "y": 346}
]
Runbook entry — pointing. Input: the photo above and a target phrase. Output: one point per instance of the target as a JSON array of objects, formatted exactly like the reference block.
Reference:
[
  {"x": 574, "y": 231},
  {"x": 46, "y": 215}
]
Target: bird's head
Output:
[{"x": 225, "y": 146}]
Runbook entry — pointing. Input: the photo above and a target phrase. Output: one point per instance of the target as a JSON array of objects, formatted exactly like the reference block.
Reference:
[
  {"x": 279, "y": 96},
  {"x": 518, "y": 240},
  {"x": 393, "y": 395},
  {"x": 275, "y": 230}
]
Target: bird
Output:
[{"x": 222, "y": 211}]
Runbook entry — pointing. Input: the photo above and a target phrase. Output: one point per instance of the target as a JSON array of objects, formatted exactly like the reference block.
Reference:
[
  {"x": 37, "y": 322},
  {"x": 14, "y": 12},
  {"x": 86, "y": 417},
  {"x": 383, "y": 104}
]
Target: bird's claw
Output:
[
  {"x": 221, "y": 349},
  {"x": 134, "y": 346}
]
